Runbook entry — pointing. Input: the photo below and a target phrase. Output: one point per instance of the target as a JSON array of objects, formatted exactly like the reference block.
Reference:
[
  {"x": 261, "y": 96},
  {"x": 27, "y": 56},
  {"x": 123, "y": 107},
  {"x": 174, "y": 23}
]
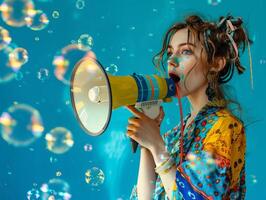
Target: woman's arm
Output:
[
  {"x": 146, "y": 176},
  {"x": 168, "y": 179}
]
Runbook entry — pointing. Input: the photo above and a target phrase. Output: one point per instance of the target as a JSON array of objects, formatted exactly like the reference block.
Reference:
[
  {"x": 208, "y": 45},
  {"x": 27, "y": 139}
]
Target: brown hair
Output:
[{"x": 216, "y": 43}]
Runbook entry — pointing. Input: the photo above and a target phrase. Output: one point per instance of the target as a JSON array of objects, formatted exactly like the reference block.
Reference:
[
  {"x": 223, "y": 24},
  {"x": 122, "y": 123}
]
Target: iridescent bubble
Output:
[
  {"x": 87, "y": 147},
  {"x": 14, "y": 12},
  {"x": 262, "y": 61},
  {"x": 33, "y": 194},
  {"x": 214, "y": 2},
  {"x": 58, "y": 173},
  {"x": 17, "y": 58},
  {"x": 21, "y": 125},
  {"x": 55, "y": 14},
  {"x": 56, "y": 189},
  {"x": 59, "y": 140},
  {"x": 43, "y": 74},
  {"x": 37, "y": 21},
  {"x": 94, "y": 176},
  {"x": 112, "y": 69},
  {"x": 5, "y": 39},
  {"x": 85, "y": 41},
  {"x": 80, "y": 4},
  {"x": 65, "y": 60}
]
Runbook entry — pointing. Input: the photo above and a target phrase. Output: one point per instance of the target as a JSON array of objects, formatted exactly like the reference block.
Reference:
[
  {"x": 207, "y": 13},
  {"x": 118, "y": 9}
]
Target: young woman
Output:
[{"x": 204, "y": 156}]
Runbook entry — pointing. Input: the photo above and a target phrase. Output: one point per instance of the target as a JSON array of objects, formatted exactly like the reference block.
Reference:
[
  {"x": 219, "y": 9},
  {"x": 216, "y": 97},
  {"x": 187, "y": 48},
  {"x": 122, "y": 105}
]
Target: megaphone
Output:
[{"x": 95, "y": 93}]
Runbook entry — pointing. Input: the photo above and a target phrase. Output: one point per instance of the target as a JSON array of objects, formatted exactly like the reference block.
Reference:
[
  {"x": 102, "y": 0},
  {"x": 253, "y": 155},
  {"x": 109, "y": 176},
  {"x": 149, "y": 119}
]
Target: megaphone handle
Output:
[{"x": 134, "y": 145}]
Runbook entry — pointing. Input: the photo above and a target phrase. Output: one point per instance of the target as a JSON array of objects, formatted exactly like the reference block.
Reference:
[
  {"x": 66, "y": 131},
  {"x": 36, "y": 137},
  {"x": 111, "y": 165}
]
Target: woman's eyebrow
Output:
[{"x": 182, "y": 44}]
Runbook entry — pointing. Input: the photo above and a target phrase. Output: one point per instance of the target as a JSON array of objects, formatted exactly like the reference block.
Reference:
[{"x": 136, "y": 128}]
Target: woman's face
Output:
[{"x": 184, "y": 61}]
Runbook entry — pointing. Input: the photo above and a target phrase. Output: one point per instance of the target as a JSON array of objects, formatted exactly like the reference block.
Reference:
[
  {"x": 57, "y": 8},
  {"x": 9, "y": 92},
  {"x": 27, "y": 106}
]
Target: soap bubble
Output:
[
  {"x": 43, "y": 74},
  {"x": 58, "y": 173},
  {"x": 33, "y": 194},
  {"x": 37, "y": 21},
  {"x": 18, "y": 57},
  {"x": 55, "y": 14},
  {"x": 19, "y": 76},
  {"x": 59, "y": 140},
  {"x": 56, "y": 189},
  {"x": 112, "y": 69},
  {"x": 65, "y": 60},
  {"x": 21, "y": 125},
  {"x": 5, "y": 39},
  {"x": 14, "y": 12},
  {"x": 94, "y": 176},
  {"x": 80, "y": 4},
  {"x": 85, "y": 41}
]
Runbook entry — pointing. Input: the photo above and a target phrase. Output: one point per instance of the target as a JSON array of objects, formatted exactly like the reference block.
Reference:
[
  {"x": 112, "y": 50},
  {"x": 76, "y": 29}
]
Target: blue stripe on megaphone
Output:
[
  {"x": 156, "y": 87},
  {"x": 144, "y": 88}
]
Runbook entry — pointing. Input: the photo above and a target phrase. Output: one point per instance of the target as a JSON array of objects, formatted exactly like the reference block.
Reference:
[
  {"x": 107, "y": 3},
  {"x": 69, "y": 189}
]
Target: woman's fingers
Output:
[
  {"x": 132, "y": 127},
  {"x": 130, "y": 133},
  {"x": 135, "y": 112},
  {"x": 135, "y": 121}
]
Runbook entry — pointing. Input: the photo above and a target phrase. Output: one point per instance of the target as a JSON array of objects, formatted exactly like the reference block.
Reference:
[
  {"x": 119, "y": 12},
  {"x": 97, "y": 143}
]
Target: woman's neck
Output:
[{"x": 198, "y": 100}]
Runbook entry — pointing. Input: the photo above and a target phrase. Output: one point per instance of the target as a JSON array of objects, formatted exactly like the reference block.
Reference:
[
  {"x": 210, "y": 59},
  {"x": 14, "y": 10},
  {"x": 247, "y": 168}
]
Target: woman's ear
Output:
[{"x": 220, "y": 64}]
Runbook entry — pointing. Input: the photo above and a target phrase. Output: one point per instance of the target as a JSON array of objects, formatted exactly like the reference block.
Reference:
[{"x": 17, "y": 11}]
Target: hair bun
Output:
[{"x": 194, "y": 19}]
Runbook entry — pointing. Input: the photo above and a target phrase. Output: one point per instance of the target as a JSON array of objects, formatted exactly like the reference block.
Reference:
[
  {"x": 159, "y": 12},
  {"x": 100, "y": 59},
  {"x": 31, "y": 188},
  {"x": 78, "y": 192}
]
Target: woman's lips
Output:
[{"x": 174, "y": 77}]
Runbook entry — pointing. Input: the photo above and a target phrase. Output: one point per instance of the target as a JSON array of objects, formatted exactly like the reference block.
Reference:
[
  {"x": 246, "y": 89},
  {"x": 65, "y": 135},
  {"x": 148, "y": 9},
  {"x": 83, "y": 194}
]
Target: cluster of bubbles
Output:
[
  {"x": 88, "y": 147},
  {"x": 94, "y": 177},
  {"x": 59, "y": 140},
  {"x": 55, "y": 189},
  {"x": 18, "y": 13},
  {"x": 33, "y": 194},
  {"x": 21, "y": 125},
  {"x": 12, "y": 58}
]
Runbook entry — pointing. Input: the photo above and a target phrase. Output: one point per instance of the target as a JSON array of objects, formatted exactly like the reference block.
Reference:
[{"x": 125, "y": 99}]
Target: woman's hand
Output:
[{"x": 144, "y": 130}]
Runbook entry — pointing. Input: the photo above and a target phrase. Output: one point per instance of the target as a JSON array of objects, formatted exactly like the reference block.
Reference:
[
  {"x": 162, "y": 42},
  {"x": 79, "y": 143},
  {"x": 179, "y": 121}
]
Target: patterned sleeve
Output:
[{"x": 213, "y": 171}]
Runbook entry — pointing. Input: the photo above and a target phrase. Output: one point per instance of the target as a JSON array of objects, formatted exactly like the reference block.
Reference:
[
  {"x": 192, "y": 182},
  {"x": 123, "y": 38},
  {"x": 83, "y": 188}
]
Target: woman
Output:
[{"x": 204, "y": 157}]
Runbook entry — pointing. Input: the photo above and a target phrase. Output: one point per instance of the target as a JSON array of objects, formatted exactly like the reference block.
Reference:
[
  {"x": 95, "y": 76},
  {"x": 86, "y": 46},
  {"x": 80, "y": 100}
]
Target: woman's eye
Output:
[{"x": 187, "y": 52}]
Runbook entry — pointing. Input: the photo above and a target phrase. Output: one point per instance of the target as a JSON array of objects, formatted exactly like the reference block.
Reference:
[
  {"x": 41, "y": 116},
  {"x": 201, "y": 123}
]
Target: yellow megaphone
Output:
[{"x": 95, "y": 93}]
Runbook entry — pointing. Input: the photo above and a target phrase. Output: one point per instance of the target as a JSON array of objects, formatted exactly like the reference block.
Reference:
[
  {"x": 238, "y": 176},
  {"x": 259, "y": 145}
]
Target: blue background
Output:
[{"x": 126, "y": 33}]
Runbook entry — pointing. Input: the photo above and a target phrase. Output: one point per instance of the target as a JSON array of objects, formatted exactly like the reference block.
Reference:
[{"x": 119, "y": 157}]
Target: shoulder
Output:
[
  {"x": 227, "y": 131},
  {"x": 227, "y": 120}
]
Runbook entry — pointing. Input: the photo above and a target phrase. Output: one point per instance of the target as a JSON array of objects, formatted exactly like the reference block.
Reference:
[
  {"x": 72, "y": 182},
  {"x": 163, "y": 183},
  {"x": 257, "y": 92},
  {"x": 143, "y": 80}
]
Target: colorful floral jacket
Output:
[{"x": 213, "y": 166}]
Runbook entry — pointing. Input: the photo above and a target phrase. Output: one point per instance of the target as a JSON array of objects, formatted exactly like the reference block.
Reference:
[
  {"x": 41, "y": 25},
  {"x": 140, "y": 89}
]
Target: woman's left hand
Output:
[{"x": 144, "y": 130}]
